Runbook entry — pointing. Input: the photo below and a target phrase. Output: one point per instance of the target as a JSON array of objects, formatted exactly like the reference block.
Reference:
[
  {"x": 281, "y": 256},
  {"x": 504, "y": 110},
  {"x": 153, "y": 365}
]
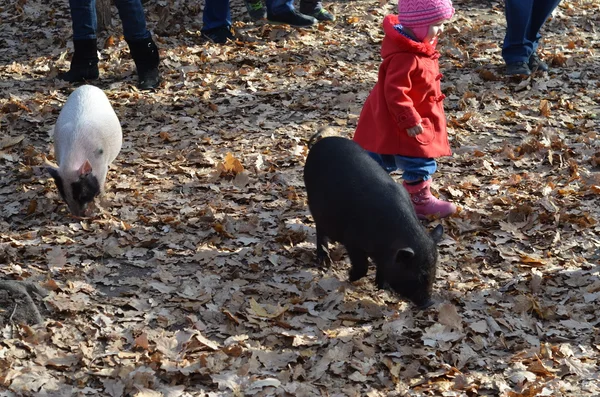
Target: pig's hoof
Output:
[
  {"x": 354, "y": 275},
  {"x": 324, "y": 261},
  {"x": 428, "y": 303},
  {"x": 323, "y": 258}
]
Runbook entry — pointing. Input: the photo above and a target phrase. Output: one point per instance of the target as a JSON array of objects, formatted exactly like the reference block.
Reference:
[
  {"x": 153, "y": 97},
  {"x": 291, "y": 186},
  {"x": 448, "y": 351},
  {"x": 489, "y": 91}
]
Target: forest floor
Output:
[{"x": 196, "y": 275}]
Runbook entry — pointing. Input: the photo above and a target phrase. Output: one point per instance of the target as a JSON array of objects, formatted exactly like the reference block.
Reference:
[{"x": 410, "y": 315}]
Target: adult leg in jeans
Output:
[
  {"x": 83, "y": 19},
  {"x": 84, "y": 63},
  {"x": 216, "y": 21},
  {"x": 133, "y": 19},
  {"x": 283, "y": 12},
  {"x": 143, "y": 49},
  {"x": 275, "y": 7},
  {"x": 517, "y": 48},
  {"x": 542, "y": 9}
]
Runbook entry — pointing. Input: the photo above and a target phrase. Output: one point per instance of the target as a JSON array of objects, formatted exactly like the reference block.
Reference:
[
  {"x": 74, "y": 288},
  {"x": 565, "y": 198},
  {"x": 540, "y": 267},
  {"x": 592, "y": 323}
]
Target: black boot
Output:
[
  {"x": 84, "y": 64},
  {"x": 145, "y": 55}
]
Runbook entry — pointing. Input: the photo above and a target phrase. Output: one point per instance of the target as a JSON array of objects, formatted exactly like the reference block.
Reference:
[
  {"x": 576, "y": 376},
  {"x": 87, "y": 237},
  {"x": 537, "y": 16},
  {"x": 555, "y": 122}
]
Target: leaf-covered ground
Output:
[{"x": 196, "y": 277}]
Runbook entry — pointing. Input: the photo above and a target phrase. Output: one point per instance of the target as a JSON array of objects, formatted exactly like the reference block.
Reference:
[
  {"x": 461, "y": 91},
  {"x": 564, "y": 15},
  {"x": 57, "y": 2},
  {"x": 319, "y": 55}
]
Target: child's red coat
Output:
[{"x": 407, "y": 92}]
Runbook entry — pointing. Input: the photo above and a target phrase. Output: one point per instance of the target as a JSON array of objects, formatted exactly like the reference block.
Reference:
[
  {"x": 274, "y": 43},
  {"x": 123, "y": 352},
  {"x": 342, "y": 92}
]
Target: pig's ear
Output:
[
  {"x": 437, "y": 233},
  {"x": 404, "y": 254},
  {"x": 86, "y": 168},
  {"x": 53, "y": 171},
  {"x": 57, "y": 179}
]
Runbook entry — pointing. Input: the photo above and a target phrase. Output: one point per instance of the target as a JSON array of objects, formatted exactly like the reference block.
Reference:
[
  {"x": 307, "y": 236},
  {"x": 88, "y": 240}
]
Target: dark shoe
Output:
[
  {"x": 315, "y": 9},
  {"x": 84, "y": 64},
  {"x": 535, "y": 63},
  {"x": 292, "y": 18},
  {"x": 145, "y": 55},
  {"x": 256, "y": 9},
  {"x": 517, "y": 68},
  {"x": 218, "y": 35},
  {"x": 322, "y": 15}
]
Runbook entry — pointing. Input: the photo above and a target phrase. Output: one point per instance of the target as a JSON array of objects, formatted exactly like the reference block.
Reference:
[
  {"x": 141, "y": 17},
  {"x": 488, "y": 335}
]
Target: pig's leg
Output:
[
  {"x": 360, "y": 263},
  {"x": 381, "y": 261},
  {"x": 322, "y": 250},
  {"x": 379, "y": 279}
]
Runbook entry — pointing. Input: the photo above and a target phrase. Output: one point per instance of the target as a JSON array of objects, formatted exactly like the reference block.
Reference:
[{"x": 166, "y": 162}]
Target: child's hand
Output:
[{"x": 414, "y": 131}]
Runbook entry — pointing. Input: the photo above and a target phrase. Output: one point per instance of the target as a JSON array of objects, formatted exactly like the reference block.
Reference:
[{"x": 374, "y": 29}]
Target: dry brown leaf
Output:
[
  {"x": 232, "y": 164},
  {"x": 10, "y": 141},
  {"x": 142, "y": 341}
]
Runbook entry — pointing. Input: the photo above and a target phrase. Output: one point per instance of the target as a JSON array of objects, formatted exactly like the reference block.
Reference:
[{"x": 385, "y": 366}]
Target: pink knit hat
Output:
[{"x": 417, "y": 15}]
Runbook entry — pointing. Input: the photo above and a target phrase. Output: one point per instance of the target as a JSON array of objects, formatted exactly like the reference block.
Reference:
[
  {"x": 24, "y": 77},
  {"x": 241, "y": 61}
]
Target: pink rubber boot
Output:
[{"x": 426, "y": 204}]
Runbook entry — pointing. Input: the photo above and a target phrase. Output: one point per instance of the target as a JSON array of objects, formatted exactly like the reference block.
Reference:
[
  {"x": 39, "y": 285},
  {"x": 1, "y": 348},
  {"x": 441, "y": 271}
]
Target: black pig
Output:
[{"x": 355, "y": 202}]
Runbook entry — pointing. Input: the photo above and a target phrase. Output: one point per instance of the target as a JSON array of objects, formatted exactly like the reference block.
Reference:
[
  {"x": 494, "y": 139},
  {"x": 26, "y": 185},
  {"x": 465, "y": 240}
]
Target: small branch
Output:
[
  {"x": 102, "y": 356},
  {"x": 10, "y": 319}
]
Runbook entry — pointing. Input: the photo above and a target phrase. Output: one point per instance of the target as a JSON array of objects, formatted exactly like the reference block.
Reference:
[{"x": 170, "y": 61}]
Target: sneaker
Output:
[
  {"x": 517, "y": 68},
  {"x": 256, "y": 9},
  {"x": 219, "y": 35},
  {"x": 292, "y": 18},
  {"x": 535, "y": 63},
  {"x": 320, "y": 14}
]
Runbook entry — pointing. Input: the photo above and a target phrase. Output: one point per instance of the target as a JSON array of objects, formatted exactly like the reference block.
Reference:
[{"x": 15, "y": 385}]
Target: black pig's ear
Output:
[
  {"x": 404, "y": 254},
  {"x": 437, "y": 233},
  {"x": 53, "y": 172}
]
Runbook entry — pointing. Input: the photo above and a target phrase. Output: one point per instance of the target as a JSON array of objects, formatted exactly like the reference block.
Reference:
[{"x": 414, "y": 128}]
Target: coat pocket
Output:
[{"x": 428, "y": 134}]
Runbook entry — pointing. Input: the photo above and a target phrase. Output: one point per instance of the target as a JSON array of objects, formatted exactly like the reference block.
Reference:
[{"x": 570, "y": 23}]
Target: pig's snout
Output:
[{"x": 421, "y": 302}]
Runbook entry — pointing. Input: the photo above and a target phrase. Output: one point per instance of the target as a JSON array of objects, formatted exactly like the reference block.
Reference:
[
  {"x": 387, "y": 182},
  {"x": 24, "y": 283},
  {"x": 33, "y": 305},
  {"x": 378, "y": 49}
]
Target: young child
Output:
[{"x": 402, "y": 123}]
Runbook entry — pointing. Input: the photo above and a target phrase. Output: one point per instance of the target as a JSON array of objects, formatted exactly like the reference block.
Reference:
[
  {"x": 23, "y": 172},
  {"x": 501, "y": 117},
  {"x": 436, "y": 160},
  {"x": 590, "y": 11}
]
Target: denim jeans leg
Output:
[
  {"x": 133, "y": 19},
  {"x": 216, "y": 14},
  {"x": 517, "y": 47},
  {"x": 386, "y": 161},
  {"x": 83, "y": 18},
  {"x": 275, "y": 7},
  {"x": 542, "y": 9},
  {"x": 416, "y": 168}
]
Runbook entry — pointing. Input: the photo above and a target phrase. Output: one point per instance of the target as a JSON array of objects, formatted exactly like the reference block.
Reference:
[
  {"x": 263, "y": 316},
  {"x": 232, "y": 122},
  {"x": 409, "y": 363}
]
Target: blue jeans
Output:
[
  {"x": 414, "y": 168},
  {"x": 275, "y": 7},
  {"x": 216, "y": 14},
  {"x": 83, "y": 16},
  {"x": 524, "y": 19}
]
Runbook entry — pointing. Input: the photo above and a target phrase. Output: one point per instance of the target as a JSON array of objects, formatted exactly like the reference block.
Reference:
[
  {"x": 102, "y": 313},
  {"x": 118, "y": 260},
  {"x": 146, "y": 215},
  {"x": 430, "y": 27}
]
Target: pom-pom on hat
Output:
[{"x": 418, "y": 15}]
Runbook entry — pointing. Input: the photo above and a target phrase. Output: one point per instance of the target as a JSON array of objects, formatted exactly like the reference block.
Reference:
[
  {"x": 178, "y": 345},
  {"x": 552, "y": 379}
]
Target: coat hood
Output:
[{"x": 395, "y": 42}]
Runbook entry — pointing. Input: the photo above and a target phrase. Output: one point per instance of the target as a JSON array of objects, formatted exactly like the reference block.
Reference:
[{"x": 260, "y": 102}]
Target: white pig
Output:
[{"x": 87, "y": 138}]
